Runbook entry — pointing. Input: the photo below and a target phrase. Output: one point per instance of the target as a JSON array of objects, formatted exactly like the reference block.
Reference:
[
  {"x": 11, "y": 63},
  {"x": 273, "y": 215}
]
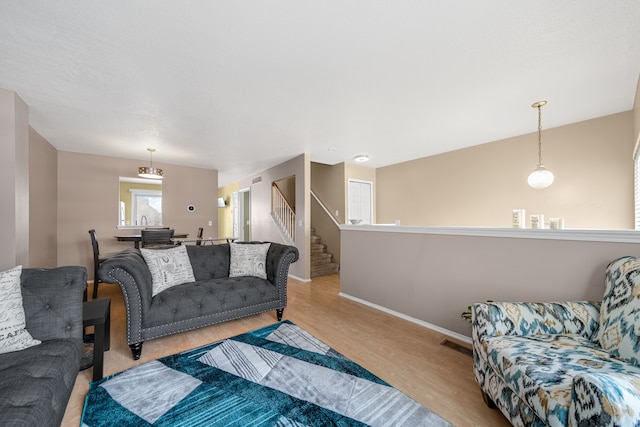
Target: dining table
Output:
[{"x": 137, "y": 237}]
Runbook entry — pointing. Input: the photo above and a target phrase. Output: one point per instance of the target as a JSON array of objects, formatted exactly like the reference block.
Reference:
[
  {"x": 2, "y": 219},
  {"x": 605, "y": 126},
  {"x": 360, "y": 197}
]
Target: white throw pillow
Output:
[
  {"x": 248, "y": 259},
  {"x": 168, "y": 267},
  {"x": 13, "y": 333}
]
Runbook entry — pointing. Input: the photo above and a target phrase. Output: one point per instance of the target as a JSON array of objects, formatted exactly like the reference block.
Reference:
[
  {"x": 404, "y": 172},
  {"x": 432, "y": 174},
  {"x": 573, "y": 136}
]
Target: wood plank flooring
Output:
[{"x": 407, "y": 356}]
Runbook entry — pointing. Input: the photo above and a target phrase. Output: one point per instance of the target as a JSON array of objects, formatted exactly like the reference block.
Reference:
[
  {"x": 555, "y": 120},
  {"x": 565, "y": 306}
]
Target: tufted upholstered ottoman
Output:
[
  {"x": 35, "y": 383},
  {"x": 212, "y": 298}
]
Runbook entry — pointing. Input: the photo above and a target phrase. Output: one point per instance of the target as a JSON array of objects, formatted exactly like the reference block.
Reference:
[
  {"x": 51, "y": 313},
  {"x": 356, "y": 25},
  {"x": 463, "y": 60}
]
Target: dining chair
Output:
[
  {"x": 158, "y": 238},
  {"x": 98, "y": 259},
  {"x": 199, "y": 236}
]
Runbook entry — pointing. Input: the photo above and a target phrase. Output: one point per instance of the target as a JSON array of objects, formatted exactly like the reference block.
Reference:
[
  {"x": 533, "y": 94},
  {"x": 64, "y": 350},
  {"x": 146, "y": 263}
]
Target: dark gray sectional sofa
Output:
[
  {"x": 36, "y": 383},
  {"x": 214, "y": 297}
]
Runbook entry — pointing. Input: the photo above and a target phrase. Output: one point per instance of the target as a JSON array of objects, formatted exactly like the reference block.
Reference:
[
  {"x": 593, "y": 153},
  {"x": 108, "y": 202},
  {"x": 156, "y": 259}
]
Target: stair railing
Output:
[
  {"x": 325, "y": 209},
  {"x": 283, "y": 213}
]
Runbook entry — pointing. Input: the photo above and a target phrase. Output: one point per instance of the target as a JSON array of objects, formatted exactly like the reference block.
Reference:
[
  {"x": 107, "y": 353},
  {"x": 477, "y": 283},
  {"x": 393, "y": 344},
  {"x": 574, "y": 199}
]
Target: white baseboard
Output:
[
  {"x": 431, "y": 326},
  {"x": 299, "y": 279}
]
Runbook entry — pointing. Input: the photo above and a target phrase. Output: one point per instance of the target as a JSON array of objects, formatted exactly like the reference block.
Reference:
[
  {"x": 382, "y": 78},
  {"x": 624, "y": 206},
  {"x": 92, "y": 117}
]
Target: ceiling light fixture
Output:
[
  {"x": 540, "y": 177},
  {"x": 150, "y": 172},
  {"x": 361, "y": 158}
]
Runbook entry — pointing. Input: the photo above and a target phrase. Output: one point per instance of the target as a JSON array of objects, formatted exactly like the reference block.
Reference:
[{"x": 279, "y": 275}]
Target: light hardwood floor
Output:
[{"x": 407, "y": 356}]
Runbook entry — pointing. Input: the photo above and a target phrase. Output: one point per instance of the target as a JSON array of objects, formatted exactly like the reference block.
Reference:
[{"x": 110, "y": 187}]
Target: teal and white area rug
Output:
[{"x": 278, "y": 375}]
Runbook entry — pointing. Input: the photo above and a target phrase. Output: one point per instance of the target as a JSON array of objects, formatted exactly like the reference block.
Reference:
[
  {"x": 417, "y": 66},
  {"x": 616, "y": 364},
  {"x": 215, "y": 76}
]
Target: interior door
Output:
[{"x": 360, "y": 201}]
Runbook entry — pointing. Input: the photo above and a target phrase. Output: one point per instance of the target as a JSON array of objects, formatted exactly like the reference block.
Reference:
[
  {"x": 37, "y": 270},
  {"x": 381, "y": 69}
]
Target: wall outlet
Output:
[{"x": 210, "y": 223}]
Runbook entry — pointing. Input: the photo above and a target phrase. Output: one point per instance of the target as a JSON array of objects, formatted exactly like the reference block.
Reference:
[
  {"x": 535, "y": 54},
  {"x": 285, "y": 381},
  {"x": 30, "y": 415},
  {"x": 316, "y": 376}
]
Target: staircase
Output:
[{"x": 321, "y": 260}]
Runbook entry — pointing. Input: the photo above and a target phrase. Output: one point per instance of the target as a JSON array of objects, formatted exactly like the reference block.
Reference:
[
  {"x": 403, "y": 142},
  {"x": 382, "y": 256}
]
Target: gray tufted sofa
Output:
[
  {"x": 36, "y": 383},
  {"x": 214, "y": 297}
]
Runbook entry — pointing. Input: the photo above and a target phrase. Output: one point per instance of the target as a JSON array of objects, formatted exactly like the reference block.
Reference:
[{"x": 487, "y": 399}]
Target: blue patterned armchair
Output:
[{"x": 564, "y": 363}]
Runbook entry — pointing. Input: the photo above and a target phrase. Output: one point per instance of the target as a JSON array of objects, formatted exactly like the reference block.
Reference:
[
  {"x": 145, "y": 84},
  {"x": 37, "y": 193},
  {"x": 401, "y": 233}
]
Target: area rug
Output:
[{"x": 278, "y": 375}]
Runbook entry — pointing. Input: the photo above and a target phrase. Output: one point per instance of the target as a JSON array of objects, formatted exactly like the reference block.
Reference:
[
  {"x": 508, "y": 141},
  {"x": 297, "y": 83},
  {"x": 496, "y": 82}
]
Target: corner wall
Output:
[
  {"x": 636, "y": 114},
  {"x": 14, "y": 180},
  {"x": 43, "y": 199}
]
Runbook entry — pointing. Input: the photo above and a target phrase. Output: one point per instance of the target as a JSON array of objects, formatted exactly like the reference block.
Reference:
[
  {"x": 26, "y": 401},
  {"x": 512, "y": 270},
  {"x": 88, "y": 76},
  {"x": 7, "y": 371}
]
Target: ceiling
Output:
[{"x": 240, "y": 86}]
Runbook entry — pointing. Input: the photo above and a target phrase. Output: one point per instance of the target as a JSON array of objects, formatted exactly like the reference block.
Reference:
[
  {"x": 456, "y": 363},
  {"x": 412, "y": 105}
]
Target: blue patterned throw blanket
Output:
[{"x": 278, "y": 375}]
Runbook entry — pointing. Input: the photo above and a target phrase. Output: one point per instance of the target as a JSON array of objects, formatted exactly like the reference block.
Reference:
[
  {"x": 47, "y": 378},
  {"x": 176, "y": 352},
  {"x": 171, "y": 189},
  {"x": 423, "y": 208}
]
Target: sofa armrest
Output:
[
  {"x": 279, "y": 258},
  {"x": 128, "y": 269},
  {"x": 605, "y": 399},
  {"x": 531, "y": 318},
  {"x": 52, "y": 300}
]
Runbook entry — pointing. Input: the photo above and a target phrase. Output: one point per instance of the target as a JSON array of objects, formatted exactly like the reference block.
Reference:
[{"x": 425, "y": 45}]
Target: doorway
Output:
[
  {"x": 360, "y": 201},
  {"x": 242, "y": 215}
]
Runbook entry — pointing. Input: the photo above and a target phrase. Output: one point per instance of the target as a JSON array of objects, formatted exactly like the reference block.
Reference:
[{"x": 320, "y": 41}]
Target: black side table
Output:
[{"x": 97, "y": 313}]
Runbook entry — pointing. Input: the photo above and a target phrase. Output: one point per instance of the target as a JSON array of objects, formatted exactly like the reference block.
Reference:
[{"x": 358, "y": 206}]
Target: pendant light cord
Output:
[{"x": 539, "y": 135}]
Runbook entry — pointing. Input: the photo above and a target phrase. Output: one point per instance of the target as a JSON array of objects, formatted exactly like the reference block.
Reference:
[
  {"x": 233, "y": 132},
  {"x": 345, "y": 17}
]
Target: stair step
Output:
[
  {"x": 322, "y": 269},
  {"x": 318, "y": 248},
  {"x": 315, "y": 239},
  {"x": 321, "y": 258}
]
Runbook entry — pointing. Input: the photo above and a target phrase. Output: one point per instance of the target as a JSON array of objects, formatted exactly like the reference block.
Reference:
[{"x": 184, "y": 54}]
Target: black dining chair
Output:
[
  {"x": 199, "y": 236},
  {"x": 159, "y": 238},
  {"x": 98, "y": 259}
]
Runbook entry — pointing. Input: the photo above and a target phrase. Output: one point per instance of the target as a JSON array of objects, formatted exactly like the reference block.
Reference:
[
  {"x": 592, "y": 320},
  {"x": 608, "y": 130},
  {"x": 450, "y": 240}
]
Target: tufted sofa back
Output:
[
  {"x": 52, "y": 300},
  {"x": 209, "y": 261}
]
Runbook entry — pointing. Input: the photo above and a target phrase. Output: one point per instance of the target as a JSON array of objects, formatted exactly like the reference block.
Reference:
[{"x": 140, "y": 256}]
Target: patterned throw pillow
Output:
[
  {"x": 248, "y": 260},
  {"x": 168, "y": 267},
  {"x": 620, "y": 313},
  {"x": 13, "y": 333}
]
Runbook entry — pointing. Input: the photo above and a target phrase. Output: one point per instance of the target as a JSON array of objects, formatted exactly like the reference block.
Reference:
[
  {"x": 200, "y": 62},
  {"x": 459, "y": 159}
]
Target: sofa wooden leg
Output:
[
  {"x": 136, "y": 350},
  {"x": 490, "y": 403},
  {"x": 279, "y": 312}
]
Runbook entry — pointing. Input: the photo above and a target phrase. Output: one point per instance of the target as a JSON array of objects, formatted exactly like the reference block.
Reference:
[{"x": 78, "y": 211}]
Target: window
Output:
[
  {"x": 140, "y": 203},
  {"x": 146, "y": 207}
]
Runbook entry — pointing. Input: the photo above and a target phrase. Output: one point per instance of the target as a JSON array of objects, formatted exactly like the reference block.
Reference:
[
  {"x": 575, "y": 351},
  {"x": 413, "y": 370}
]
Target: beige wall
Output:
[
  {"x": 329, "y": 184},
  {"x": 262, "y": 225},
  {"x": 433, "y": 278},
  {"x": 225, "y": 215},
  {"x": 479, "y": 186},
  {"x": 14, "y": 180},
  {"x": 43, "y": 202},
  {"x": 88, "y": 187}
]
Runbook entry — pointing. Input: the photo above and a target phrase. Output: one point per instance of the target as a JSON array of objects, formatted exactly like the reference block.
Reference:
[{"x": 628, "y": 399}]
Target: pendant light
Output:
[
  {"x": 150, "y": 172},
  {"x": 540, "y": 177}
]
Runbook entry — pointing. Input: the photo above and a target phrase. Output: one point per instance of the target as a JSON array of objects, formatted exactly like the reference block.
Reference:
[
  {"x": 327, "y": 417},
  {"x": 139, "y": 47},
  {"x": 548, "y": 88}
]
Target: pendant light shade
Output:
[
  {"x": 150, "y": 172},
  {"x": 540, "y": 177}
]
